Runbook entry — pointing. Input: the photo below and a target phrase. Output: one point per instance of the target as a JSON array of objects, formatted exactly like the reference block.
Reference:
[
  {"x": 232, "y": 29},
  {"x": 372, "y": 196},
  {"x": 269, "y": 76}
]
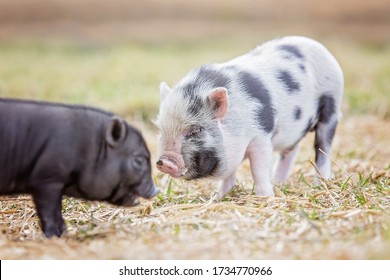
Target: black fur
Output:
[
  {"x": 206, "y": 162},
  {"x": 195, "y": 104},
  {"x": 293, "y": 51},
  {"x": 12, "y": 101},
  {"x": 297, "y": 113},
  {"x": 331, "y": 133},
  {"x": 325, "y": 131},
  {"x": 326, "y": 108},
  {"x": 256, "y": 89},
  {"x": 206, "y": 75},
  {"x": 319, "y": 144},
  {"x": 288, "y": 80},
  {"x": 324, "y": 142}
]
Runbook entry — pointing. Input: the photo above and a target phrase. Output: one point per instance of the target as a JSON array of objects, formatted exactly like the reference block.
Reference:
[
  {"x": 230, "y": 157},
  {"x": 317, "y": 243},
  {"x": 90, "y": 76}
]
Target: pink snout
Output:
[{"x": 167, "y": 166}]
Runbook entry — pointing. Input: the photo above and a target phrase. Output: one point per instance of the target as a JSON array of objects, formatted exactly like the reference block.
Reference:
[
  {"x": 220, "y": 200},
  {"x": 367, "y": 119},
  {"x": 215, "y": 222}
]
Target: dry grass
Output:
[{"x": 345, "y": 218}]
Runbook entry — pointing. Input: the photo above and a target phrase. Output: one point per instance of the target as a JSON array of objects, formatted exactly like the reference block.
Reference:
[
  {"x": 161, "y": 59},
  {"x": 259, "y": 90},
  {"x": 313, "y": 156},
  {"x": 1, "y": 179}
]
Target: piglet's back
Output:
[{"x": 33, "y": 134}]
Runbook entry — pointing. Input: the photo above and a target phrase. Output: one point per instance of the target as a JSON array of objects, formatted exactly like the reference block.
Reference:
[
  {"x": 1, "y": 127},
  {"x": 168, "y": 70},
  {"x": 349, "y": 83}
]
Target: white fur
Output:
[{"x": 164, "y": 91}]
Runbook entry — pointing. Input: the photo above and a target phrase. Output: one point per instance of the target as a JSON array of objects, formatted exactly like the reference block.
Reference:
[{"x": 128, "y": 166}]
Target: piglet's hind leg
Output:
[{"x": 283, "y": 166}]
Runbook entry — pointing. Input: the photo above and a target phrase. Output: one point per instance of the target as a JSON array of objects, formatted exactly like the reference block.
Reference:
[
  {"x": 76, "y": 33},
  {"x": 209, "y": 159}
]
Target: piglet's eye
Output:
[
  {"x": 194, "y": 132},
  {"x": 138, "y": 163}
]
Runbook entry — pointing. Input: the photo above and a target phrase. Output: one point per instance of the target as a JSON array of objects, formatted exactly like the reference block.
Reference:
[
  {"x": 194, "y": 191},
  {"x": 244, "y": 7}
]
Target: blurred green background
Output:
[{"x": 113, "y": 54}]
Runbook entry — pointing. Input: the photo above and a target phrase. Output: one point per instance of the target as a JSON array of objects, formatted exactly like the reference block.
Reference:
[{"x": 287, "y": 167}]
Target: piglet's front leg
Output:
[
  {"x": 48, "y": 201},
  {"x": 260, "y": 156},
  {"x": 226, "y": 185}
]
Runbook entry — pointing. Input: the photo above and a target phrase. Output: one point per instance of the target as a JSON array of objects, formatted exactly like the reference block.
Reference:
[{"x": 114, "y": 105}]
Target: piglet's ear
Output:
[
  {"x": 116, "y": 131},
  {"x": 220, "y": 101},
  {"x": 164, "y": 91}
]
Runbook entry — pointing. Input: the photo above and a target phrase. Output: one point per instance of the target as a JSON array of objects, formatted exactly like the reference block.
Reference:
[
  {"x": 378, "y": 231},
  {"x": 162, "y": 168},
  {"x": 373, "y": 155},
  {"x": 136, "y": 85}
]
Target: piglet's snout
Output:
[
  {"x": 167, "y": 166},
  {"x": 152, "y": 192}
]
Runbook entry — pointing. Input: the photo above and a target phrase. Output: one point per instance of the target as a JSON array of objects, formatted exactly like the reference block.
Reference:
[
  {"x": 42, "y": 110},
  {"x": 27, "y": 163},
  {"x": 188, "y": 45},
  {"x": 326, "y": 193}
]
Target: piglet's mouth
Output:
[
  {"x": 169, "y": 166},
  {"x": 133, "y": 199}
]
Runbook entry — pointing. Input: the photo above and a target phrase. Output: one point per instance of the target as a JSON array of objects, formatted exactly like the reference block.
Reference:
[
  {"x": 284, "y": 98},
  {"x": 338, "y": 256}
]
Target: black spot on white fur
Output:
[
  {"x": 195, "y": 104},
  {"x": 319, "y": 144},
  {"x": 325, "y": 128},
  {"x": 206, "y": 75},
  {"x": 297, "y": 113},
  {"x": 256, "y": 89},
  {"x": 288, "y": 80},
  {"x": 323, "y": 141},
  {"x": 205, "y": 163},
  {"x": 331, "y": 132},
  {"x": 292, "y": 50},
  {"x": 326, "y": 108}
]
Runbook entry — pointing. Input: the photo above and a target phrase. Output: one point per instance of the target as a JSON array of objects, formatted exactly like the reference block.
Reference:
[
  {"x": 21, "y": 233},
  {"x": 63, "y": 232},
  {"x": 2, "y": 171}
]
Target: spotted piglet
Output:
[{"x": 264, "y": 101}]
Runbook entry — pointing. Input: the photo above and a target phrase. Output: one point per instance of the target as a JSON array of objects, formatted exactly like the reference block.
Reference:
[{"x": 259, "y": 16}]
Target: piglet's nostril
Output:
[{"x": 160, "y": 163}]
